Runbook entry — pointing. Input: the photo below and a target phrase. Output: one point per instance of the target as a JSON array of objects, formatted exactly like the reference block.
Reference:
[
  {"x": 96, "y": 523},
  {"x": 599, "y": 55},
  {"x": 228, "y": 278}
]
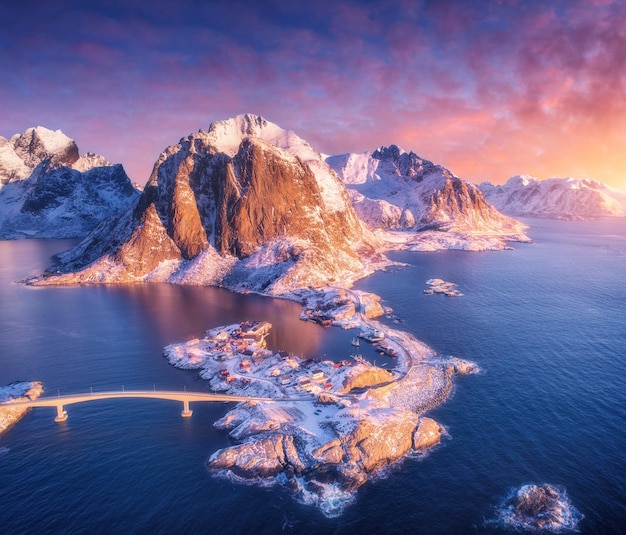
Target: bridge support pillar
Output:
[
  {"x": 61, "y": 414},
  {"x": 187, "y": 412}
]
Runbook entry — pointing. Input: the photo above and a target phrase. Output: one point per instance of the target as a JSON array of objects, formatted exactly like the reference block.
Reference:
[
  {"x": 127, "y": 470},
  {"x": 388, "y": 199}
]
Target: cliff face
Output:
[
  {"x": 245, "y": 204},
  {"x": 48, "y": 191},
  {"x": 557, "y": 198},
  {"x": 394, "y": 190}
]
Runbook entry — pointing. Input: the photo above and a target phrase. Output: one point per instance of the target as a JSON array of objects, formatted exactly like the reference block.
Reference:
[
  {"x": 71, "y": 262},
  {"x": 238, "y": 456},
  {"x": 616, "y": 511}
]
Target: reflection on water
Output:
[
  {"x": 65, "y": 336},
  {"x": 26, "y": 258},
  {"x": 171, "y": 311}
]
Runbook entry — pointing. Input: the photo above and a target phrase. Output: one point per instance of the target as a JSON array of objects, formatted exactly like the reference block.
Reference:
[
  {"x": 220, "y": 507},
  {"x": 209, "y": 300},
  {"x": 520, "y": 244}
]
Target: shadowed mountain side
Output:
[{"x": 48, "y": 191}]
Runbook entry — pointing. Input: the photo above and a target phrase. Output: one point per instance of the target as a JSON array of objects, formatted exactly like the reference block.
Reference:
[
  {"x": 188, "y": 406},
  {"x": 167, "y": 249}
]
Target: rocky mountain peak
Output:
[
  {"x": 391, "y": 189},
  {"x": 244, "y": 204},
  {"x": 48, "y": 191},
  {"x": 39, "y": 144},
  {"x": 226, "y": 135},
  {"x": 402, "y": 163},
  {"x": 390, "y": 153}
]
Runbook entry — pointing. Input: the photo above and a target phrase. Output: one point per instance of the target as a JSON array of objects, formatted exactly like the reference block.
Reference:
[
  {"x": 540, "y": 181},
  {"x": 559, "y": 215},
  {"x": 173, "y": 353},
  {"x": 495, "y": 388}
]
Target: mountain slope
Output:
[
  {"x": 48, "y": 191},
  {"x": 245, "y": 204},
  {"x": 394, "y": 190},
  {"x": 559, "y": 198}
]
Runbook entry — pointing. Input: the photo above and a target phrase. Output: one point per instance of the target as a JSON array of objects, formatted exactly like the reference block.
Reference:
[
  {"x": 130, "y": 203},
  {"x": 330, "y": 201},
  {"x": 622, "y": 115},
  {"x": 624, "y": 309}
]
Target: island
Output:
[
  {"x": 538, "y": 507},
  {"x": 440, "y": 286},
  {"x": 332, "y": 425}
]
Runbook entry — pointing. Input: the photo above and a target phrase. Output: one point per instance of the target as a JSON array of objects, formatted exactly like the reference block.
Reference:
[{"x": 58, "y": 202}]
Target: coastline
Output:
[
  {"x": 18, "y": 391},
  {"x": 335, "y": 424},
  {"x": 325, "y": 447}
]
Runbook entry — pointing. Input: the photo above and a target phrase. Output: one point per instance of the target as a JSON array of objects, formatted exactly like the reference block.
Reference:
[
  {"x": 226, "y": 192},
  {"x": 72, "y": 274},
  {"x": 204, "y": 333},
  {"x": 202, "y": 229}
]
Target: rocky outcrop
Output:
[
  {"x": 365, "y": 377},
  {"x": 336, "y": 305},
  {"x": 358, "y": 445},
  {"x": 48, "y": 191},
  {"x": 541, "y": 507},
  {"x": 350, "y": 458},
  {"x": 254, "y": 201},
  {"x": 377, "y": 442},
  {"x": 463, "y": 367},
  {"x": 20, "y": 391},
  {"x": 259, "y": 458},
  {"x": 427, "y": 434}
]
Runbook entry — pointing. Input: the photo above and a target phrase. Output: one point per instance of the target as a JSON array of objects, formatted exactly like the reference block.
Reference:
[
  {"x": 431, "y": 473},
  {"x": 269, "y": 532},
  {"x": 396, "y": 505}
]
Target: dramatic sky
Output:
[{"x": 488, "y": 89}]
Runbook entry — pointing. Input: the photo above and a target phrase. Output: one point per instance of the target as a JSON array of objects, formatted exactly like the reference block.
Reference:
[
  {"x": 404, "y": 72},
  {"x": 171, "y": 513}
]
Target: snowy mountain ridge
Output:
[
  {"x": 246, "y": 205},
  {"x": 425, "y": 205},
  {"x": 251, "y": 206},
  {"x": 558, "y": 198},
  {"x": 48, "y": 190}
]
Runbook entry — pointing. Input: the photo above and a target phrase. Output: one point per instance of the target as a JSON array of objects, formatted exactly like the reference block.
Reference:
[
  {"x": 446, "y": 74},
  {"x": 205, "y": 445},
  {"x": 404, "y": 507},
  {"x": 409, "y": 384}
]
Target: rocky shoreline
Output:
[
  {"x": 19, "y": 391},
  {"x": 334, "y": 425}
]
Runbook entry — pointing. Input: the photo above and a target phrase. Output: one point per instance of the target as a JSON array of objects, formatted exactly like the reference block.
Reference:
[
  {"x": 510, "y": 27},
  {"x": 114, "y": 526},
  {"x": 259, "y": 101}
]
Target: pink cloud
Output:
[{"x": 488, "y": 92}]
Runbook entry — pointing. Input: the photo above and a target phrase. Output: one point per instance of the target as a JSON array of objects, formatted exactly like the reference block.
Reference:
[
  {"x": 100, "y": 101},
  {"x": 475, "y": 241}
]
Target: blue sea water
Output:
[{"x": 545, "y": 322}]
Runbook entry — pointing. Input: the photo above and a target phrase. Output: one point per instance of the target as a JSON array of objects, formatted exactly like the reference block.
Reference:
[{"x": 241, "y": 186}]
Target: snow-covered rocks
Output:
[
  {"x": 557, "y": 198},
  {"x": 333, "y": 425},
  {"x": 19, "y": 391},
  {"x": 48, "y": 191},
  {"x": 338, "y": 306},
  {"x": 424, "y": 205}
]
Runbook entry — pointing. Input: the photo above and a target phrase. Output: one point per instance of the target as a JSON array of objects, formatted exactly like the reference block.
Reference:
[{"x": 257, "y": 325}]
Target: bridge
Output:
[{"x": 185, "y": 397}]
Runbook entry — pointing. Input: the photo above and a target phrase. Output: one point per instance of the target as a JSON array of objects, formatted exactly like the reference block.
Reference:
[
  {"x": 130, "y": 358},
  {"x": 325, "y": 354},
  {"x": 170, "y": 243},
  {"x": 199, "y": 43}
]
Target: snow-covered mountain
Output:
[
  {"x": 393, "y": 190},
  {"x": 47, "y": 190},
  {"x": 245, "y": 205},
  {"x": 558, "y": 198}
]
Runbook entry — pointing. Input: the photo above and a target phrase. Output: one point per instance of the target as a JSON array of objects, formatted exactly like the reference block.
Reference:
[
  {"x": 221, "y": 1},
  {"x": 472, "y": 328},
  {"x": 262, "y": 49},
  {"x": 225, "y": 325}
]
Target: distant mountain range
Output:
[
  {"x": 395, "y": 190},
  {"x": 47, "y": 190},
  {"x": 557, "y": 198},
  {"x": 249, "y": 205}
]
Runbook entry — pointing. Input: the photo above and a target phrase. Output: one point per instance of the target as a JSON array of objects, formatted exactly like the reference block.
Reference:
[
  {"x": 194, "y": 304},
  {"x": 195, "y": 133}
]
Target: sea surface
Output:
[{"x": 546, "y": 322}]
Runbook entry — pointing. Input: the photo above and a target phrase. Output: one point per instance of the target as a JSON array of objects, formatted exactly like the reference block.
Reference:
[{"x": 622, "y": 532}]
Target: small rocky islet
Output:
[{"x": 539, "y": 508}]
